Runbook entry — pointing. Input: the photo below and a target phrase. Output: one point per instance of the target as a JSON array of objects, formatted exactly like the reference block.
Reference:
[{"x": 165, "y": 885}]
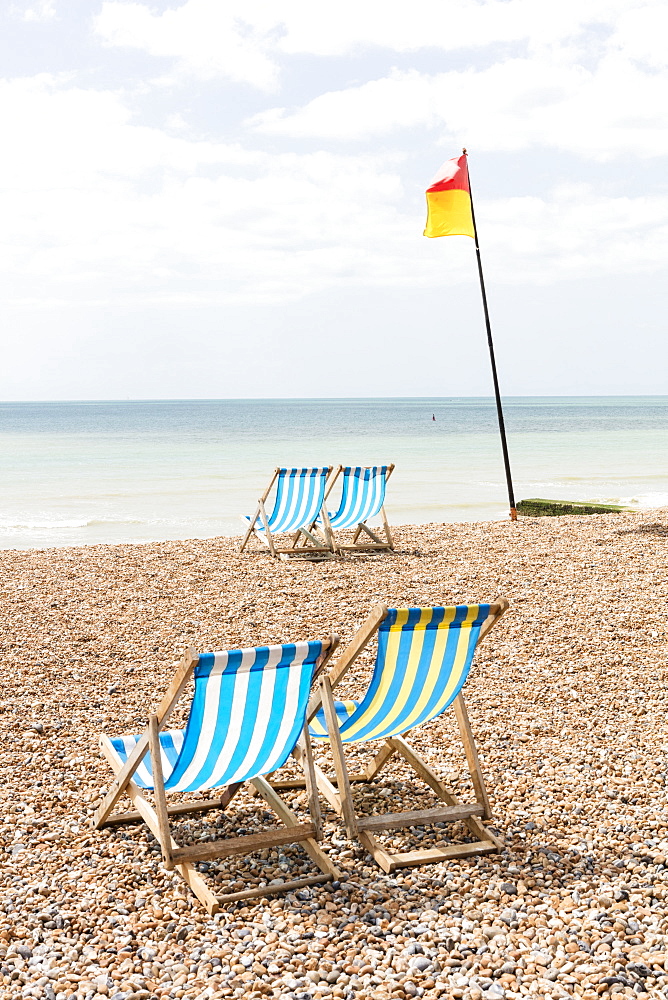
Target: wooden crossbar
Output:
[
  {"x": 270, "y": 890},
  {"x": 293, "y": 784},
  {"x": 409, "y": 859},
  {"x": 175, "y": 809},
  {"x": 419, "y": 817},
  {"x": 244, "y": 845}
]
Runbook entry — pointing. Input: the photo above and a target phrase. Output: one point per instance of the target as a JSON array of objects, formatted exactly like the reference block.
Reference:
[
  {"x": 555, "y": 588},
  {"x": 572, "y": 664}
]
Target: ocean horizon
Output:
[{"x": 107, "y": 471}]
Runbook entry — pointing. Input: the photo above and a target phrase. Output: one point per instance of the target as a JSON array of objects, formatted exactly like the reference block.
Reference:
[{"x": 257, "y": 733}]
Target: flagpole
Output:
[{"x": 490, "y": 344}]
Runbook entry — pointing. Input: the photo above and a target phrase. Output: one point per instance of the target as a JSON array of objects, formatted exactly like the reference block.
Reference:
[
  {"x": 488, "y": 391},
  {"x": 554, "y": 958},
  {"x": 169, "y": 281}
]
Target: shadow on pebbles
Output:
[{"x": 568, "y": 705}]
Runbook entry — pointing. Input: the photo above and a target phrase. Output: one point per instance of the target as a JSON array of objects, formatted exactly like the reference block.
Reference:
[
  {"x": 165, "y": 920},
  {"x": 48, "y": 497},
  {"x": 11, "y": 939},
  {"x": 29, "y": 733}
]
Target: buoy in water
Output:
[{"x": 433, "y": 416}]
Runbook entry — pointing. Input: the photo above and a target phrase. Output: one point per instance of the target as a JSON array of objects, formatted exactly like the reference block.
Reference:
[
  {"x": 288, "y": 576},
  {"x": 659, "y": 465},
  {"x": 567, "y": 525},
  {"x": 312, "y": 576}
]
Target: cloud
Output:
[
  {"x": 99, "y": 208},
  {"x": 96, "y": 205},
  {"x": 194, "y": 32},
  {"x": 574, "y": 233},
  {"x": 42, "y": 10},
  {"x": 612, "y": 110},
  {"x": 206, "y": 40},
  {"x": 587, "y": 76},
  {"x": 448, "y": 25}
]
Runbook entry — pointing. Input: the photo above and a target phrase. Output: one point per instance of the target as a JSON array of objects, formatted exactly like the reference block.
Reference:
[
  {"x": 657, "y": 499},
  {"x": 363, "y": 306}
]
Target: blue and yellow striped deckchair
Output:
[
  {"x": 362, "y": 497},
  {"x": 297, "y": 506},
  {"x": 247, "y": 714},
  {"x": 423, "y": 659}
]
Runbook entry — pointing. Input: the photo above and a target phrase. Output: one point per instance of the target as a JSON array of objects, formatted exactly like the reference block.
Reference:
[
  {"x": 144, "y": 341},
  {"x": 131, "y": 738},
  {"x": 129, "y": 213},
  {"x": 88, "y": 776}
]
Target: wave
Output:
[
  {"x": 646, "y": 501},
  {"x": 15, "y": 525}
]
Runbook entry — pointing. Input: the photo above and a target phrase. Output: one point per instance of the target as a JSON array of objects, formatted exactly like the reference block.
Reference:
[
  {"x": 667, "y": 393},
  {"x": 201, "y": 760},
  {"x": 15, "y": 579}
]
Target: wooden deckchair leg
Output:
[
  {"x": 327, "y": 530},
  {"x": 342, "y": 780},
  {"x": 425, "y": 772},
  {"x": 310, "y": 537},
  {"x": 388, "y": 533},
  {"x": 471, "y": 752},
  {"x": 123, "y": 774},
  {"x": 311, "y": 786},
  {"x": 267, "y": 530},
  {"x": 372, "y": 535},
  {"x": 260, "y": 512},
  {"x": 379, "y": 761},
  {"x": 422, "y": 769},
  {"x": 285, "y": 814},
  {"x": 159, "y": 792},
  {"x": 143, "y": 806},
  {"x": 251, "y": 529}
]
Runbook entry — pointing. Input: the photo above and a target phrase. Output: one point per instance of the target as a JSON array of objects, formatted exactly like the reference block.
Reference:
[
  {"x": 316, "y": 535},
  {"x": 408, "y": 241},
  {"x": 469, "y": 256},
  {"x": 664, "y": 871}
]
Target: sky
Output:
[{"x": 206, "y": 199}]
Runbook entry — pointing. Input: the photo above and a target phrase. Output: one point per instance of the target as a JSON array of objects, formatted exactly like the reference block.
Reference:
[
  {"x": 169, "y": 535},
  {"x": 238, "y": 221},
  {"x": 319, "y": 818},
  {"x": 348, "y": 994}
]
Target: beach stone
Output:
[
  {"x": 96, "y": 910},
  {"x": 494, "y": 992}
]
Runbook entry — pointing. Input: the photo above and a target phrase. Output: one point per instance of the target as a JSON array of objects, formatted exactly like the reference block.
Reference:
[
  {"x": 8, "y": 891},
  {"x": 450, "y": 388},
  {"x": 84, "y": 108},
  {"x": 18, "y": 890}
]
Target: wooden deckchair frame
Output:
[
  {"x": 337, "y": 790},
  {"x": 304, "y": 542},
  {"x": 376, "y": 543},
  {"x": 156, "y": 816}
]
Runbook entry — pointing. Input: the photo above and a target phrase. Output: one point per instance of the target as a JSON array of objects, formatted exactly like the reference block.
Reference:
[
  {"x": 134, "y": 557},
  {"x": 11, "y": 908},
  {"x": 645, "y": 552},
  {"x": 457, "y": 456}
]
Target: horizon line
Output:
[{"x": 325, "y": 399}]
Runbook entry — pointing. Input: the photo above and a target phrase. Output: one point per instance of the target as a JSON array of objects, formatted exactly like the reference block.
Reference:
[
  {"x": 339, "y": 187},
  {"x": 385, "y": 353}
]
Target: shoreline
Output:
[
  {"x": 567, "y": 703},
  {"x": 500, "y": 519}
]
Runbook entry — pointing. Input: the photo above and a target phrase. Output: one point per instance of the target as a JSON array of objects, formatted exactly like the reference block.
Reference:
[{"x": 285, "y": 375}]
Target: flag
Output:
[{"x": 449, "y": 201}]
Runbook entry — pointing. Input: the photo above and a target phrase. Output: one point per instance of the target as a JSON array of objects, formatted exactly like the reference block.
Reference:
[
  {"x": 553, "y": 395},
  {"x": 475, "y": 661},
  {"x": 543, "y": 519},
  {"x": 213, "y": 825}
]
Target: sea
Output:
[{"x": 82, "y": 473}]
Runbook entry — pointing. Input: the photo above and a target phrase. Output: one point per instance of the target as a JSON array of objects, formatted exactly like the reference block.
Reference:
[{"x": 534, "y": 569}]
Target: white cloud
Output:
[
  {"x": 195, "y": 32},
  {"x": 99, "y": 209},
  {"x": 207, "y": 40},
  {"x": 613, "y": 110},
  {"x": 575, "y": 233},
  {"x": 96, "y": 205},
  {"x": 43, "y": 10},
  {"x": 640, "y": 33},
  {"x": 586, "y": 76},
  {"x": 347, "y": 26}
]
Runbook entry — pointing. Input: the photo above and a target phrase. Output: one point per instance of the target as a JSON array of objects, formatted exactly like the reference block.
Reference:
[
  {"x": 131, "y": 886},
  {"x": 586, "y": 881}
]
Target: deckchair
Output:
[
  {"x": 423, "y": 658},
  {"x": 362, "y": 497},
  {"x": 247, "y": 714},
  {"x": 297, "y": 505}
]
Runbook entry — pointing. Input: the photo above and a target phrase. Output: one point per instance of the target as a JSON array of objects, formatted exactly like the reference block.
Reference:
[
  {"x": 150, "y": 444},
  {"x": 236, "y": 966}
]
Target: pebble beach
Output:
[{"x": 567, "y": 699}]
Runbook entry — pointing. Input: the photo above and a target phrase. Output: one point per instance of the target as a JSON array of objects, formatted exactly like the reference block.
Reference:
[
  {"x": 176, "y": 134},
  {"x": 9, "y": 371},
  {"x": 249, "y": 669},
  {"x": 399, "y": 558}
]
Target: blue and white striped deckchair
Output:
[
  {"x": 423, "y": 659},
  {"x": 247, "y": 714},
  {"x": 297, "y": 505},
  {"x": 362, "y": 497}
]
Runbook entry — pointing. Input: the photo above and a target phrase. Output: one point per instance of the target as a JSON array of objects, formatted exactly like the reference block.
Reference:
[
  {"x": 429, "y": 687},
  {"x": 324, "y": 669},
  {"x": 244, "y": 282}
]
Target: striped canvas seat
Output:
[
  {"x": 424, "y": 656},
  {"x": 362, "y": 496},
  {"x": 299, "y": 497},
  {"x": 247, "y": 713},
  {"x": 300, "y": 494}
]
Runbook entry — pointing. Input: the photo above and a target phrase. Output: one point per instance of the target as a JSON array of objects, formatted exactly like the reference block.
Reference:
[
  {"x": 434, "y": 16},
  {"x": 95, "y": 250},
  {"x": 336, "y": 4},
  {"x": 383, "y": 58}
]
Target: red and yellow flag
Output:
[{"x": 449, "y": 201}]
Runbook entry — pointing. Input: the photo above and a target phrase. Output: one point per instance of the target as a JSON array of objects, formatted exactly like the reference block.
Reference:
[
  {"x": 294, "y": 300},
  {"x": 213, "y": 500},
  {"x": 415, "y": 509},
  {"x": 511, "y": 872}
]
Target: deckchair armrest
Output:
[
  {"x": 496, "y": 609},
  {"x": 334, "y": 641}
]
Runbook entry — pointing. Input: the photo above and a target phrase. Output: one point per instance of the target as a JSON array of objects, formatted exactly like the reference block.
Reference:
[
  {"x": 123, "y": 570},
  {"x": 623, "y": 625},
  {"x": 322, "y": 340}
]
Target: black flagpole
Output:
[{"x": 490, "y": 344}]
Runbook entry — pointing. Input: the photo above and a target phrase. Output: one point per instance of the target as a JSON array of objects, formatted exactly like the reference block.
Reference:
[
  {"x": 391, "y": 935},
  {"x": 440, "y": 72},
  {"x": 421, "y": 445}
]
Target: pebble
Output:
[{"x": 574, "y": 906}]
